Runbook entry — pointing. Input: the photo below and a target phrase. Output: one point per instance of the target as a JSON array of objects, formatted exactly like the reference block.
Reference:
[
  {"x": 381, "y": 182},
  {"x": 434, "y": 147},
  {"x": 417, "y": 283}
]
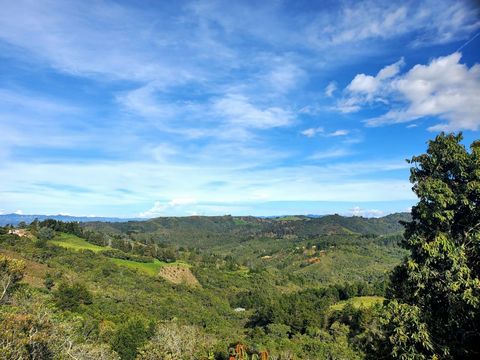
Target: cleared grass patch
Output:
[
  {"x": 358, "y": 302},
  {"x": 150, "y": 268},
  {"x": 70, "y": 241},
  {"x": 73, "y": 242},
  {"x": 289, "y": 218}
]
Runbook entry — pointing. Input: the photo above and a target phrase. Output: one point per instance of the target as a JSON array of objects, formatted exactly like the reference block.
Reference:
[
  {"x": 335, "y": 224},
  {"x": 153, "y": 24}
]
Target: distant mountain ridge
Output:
[
  {"x": 15, "y": 219},
  {"x": 208, "y": 231},
  {"x": 205, "y": 231}
]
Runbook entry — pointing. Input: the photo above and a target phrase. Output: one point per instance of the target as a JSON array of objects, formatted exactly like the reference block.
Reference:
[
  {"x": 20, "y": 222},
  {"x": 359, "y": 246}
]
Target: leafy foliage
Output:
[
  {"x": 11, "y": 272},
  {"x": 173, "y": 341},
  {"x": 436, "y": 310},
  {"x": 70, "y": 297},
  {"x": 45, "y": 233},
  {"x": 129, "y": 337}
]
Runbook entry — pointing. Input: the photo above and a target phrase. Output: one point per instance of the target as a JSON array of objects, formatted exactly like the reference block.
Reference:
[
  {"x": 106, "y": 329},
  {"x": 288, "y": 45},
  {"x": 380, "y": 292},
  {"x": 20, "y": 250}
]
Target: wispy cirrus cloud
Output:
[
  {"x": 330, "y": 88},
  {"x": 186, "y": 183},
  {"x": 238, "y": 110},
  {"x": 330, "y": 154},
  {"x": 320, "y": 131},
  {"x": 432, "y": 22}
]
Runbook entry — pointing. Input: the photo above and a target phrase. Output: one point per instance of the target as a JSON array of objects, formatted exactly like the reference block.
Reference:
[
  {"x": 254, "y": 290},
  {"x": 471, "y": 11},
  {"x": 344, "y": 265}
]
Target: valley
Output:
[{"x": 290, "y": 277}]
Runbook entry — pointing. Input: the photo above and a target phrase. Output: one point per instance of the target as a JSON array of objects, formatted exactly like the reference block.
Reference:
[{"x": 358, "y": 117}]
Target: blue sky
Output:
[{"x": 152, "y": 108}]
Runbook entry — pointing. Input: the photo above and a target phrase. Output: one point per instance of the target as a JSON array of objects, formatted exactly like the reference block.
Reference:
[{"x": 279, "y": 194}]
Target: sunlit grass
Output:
[
  {"x": 150, "y": 268},
  {"x": 70, "y": 241},
  {"x": 73, "y": 242}
]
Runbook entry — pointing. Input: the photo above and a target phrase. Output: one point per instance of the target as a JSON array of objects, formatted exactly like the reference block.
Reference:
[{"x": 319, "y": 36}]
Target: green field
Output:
[
  {"x": 289, "y": 218},
  {"x": 70, "y": 241},
  {"x": 358, "y": 302},
  {"x": 150, "y": 268},
  {"x": 73, "y": 242}
]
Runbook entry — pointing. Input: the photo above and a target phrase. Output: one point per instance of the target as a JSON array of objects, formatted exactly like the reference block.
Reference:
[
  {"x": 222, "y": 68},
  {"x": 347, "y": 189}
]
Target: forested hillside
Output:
[
  {"x": 204, "y": 232},
  {"x": 214, "y": 282}
]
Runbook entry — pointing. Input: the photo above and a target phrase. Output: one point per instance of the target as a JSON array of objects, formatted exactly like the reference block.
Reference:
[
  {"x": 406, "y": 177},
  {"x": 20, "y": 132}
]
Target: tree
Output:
[
  {"x": 434, "y": 309},
  {"x": 71, "y": 297},
  {"x": 25, "y": 336},
  {"x": 46, "y": 233},
  {"x": 11, "y": 272},
  {"x": 172, "y": 341},
  {"x": 129, "y": 337}
]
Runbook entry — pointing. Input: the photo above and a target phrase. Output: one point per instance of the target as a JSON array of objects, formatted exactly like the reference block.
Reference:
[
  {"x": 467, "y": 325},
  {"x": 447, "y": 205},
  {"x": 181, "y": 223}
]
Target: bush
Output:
[
  {"x": 176, "y": 342},
  {"x": 11, "y": 272},
  {"x": 71, "y": 297},
  {"x": 129, "y": 337}
]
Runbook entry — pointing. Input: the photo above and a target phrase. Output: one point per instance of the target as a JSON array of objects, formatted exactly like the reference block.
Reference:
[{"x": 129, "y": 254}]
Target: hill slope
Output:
[{"x": 207, "y": 231}]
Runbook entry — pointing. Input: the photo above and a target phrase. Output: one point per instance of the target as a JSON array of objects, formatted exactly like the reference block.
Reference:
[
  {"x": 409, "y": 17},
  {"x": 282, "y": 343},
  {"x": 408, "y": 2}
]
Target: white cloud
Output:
[
  {"x": 358, "y": 211},
  {"x": 238, "y": 110},
  {"x": 311, "y": 132},
  {"x": 182, "y": 201},
  {"x": 348, "y": 104},
  {"x": 69, "y": 35},
  {"x": 14, "y": 99},
  {"x": 162, "y": 152},
  {"x": 432, "y": 22},
  {"x": 330, "y": 89},
  {"x": 444, "y": 88},
  {"x": 339, "y": 133},
  {"x": 391, "y": 70},
  {"x": 156, "y": 210},
  {"x": 18, "y": 212},
  {"x": 330, "y": 154},
  {"x": 362, "y": 83},
  {"x": 365, "y": 87},
  {"x": 159, "y": 208},
  {"x": 284, "y": 76},
  {"x": 242, "y": 181},
  {"x": 142, "y": 101}
]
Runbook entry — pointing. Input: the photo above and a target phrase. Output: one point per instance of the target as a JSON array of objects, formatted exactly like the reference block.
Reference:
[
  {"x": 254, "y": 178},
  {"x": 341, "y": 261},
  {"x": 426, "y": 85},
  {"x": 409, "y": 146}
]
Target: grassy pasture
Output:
[
  {"x": 150, "y": 268},
  {"x": 73, "y": 242}
]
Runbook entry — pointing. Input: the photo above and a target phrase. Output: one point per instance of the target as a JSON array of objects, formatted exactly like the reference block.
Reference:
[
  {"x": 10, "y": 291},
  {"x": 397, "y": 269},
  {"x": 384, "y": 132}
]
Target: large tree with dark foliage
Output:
[{"x": 433, "y": 309}]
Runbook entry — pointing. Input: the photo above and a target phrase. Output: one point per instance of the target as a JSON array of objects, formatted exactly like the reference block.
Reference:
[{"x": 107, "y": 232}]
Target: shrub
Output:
[{"x": 71, "y": 297}]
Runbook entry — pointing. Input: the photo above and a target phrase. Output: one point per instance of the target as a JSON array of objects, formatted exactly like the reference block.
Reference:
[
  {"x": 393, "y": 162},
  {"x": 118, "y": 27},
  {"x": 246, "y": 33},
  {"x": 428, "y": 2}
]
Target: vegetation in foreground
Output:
[{"x": 286, "y": 288}]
